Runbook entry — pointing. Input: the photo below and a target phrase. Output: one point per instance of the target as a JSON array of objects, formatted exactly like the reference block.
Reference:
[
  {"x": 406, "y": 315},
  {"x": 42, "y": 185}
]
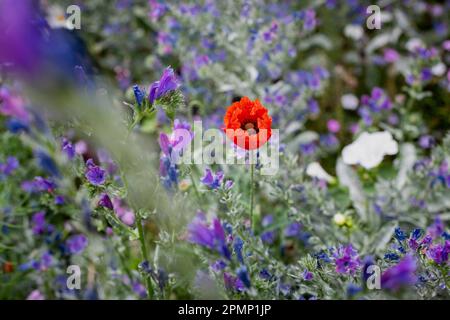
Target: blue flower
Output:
[
  {"x": 400, "y": 235},
  {"x": 47, "y": 163},
  {"x": 243, "y": 275},
  {"x": 238, "y": 245},
  {"x": 391, "y": 256},
  {"x": 16, "y": 126},
  {"x": 416, "y": 234},
  {"x": 138, "y": 95},
  {"x": 264, "y": 274},
  {"x": 268, "y": 237},
  {"x": 353, "y": 289}
]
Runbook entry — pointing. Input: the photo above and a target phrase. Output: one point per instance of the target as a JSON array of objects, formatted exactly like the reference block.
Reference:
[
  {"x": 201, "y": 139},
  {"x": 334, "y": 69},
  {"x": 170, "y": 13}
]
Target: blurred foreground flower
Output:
[{"x": 400, "y": 275}]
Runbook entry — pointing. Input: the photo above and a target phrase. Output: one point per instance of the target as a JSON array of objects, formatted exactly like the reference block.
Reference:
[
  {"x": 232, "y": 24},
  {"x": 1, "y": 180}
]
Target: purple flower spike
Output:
[
  {"x": 166, "y": 84},
  {"x": 94, "y": 174}
]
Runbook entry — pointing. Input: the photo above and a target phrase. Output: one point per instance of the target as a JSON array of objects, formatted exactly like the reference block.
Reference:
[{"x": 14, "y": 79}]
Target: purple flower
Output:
[
  {"x": 426, "y": 141},
  {"x": 139, "y": 289},
  {"x": 59, "y": 200},
  {"x": 377, "y": 101},
  {"x": 436, "y": 229},
  {"x": 20, "y": 36},
  {"x": 313, "y": 106},
  {"x": 309, "y": 21},
  {"x": 35, "y": 295},
  {"x": 307, "y": 275},
  {"x": 390, "y": 55},
  {"x": 229, "y": 184},
  {"x": 333, "y": 126},
  {"x": 232, "y": 283},
  {"x": 267, "y": 220},
  {"x": 219, "y": 265},
  {"x": 9, "y": 166},
  {"x": 94, "y": 174},
  {"x": 346, "y": 260},
  {"x": 292, "y": 230},
  {"x": 105, "y": 201},
  {"x": 39, "y": 225},
  {"x": 38, "y": 184},
  {"x": 13, "y": 106},
  {"x": 77, "y": 243},
  {"x": 439, "y": 252},
  {"x": 125, "y": 214},
  {"x": 166, "y": 84},
  {"x": 212, "y": 181},
  {"x": 400, "y": 275},
  {"x": 212, "y": 237},
  {"x": 308, "y": 148},
  {"x": 157, "y": 9},
  {"x": 268, "y": 237},
  {"x": 172, "y": 148},
  {"x": 68, "y": 148},
  {"x": 46, "y": 261}
]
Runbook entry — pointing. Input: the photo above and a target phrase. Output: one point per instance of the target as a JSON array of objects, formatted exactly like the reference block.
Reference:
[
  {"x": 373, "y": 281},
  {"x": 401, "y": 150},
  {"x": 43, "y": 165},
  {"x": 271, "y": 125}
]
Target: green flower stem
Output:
[
  {"x": 252, "y": 193},
  {"x": 141, "y": 235},
  {"x": 144, "y": 253}
]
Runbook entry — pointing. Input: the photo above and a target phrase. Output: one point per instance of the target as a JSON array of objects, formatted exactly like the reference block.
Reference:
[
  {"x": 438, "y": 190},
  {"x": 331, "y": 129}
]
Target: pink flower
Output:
[
  {"x": 35, "y": 295},
  {"x": 333, "y": 125}
]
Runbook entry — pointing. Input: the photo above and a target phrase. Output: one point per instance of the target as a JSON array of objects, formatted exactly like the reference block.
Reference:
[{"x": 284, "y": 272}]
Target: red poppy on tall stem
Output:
[{"x": 248, "y": 124}]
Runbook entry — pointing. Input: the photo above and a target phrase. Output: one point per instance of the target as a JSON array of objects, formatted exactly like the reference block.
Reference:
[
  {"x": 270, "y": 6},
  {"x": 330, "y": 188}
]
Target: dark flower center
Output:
[{"x": 250, "y": 127}]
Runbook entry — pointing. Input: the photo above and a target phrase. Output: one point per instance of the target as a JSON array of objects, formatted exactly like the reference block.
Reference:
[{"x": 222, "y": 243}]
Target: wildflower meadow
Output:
[{"x": 227, "y": 150}]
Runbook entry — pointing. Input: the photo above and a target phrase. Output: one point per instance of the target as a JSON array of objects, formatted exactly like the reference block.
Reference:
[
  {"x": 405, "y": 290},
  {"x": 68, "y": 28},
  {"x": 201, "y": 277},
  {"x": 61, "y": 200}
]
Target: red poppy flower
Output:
[{"x": 248, "y": 124}]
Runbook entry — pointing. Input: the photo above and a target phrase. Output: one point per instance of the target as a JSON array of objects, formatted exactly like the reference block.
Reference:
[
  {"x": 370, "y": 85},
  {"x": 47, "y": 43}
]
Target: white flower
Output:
[
  {"x": 349, "y": 101},
  {"x": 369, "y": 149},
  {"x": 315, "y": 170},
  {"x": 353, "y": 31},
  {"x": 438, "y": 69}
]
